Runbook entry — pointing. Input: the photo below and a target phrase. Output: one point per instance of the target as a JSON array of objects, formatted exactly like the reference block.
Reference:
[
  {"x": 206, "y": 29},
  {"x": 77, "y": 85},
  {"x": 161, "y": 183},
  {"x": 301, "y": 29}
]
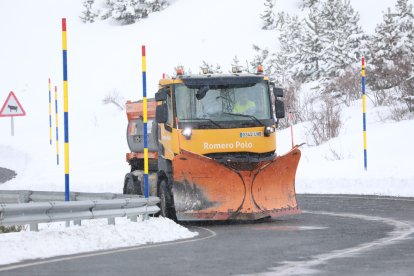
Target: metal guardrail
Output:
[
  {"x": 24, "y": 196},
  {"x": 33, "y": 212}
]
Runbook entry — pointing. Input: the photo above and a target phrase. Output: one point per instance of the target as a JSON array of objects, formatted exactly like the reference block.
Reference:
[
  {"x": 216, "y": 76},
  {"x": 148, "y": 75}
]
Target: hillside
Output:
[{"x": 104, "y": 59}]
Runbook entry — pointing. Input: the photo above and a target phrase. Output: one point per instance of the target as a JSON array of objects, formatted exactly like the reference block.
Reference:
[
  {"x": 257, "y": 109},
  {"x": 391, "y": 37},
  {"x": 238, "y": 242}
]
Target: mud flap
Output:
[{"x": 205, "y": 189}]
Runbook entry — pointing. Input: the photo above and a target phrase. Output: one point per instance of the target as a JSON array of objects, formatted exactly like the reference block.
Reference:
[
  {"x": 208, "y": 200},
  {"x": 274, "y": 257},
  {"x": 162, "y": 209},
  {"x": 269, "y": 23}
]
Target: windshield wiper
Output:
[
  {"x": 245, "y": 115},
  {"x": 203, "y": 119}
]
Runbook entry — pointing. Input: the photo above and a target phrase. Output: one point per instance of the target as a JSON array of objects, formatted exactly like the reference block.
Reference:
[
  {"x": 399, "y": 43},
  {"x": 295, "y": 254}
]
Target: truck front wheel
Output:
[{"x": 166, "y": 201}]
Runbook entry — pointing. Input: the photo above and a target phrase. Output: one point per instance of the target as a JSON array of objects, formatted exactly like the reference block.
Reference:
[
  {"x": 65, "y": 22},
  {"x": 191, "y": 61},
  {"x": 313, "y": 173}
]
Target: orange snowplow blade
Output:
[{"x": 205, "y": 189}]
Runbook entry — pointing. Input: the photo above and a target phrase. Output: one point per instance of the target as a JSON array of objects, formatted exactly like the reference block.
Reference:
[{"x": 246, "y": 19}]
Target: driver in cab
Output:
[{"x": 244, "y": 105}]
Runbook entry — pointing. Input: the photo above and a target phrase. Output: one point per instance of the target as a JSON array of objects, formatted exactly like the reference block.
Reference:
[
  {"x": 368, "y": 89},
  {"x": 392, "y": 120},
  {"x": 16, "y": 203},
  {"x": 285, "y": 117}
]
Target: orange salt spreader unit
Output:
[{"x": 212, "y": 148}]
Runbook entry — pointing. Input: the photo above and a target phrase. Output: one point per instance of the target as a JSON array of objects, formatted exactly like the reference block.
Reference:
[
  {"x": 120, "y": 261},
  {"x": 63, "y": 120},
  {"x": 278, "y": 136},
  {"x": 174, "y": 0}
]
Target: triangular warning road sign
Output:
[{"x": 12, "y": 107}]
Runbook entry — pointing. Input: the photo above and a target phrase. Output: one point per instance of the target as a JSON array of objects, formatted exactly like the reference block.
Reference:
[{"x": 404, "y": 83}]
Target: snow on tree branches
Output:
[
  {"x": 124, "y": 11},
  {"x": 392, "y": 58},
  {"x": 268, "y": 15},
  {"x": 88, "y": 15}
]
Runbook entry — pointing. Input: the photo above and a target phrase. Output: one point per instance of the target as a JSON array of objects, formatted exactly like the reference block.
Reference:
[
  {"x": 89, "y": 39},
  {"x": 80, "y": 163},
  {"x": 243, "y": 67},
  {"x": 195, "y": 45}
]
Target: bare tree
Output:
[
  {"x": 325, "y": 123},
  {"x": 347, "y": 88},
  {"x": 114, "y": 98},
  {"x": 291, "y": 104}
]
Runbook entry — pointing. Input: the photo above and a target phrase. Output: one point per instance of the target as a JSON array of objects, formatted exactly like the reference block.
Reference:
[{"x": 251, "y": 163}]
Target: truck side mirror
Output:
[
  {"x": 278, "y": 92},
  {"x": 161, "y": 113},
  {"x": 201, "y": 93},
  {"x": 280, "y": 109},
  {"x": 161, "y": 95}
]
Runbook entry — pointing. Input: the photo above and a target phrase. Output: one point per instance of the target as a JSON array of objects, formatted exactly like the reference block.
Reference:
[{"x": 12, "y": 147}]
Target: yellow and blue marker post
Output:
[
  {"x": 364, "y": 111},
  {"x": 65, "y": 107},
  {"x": 57, "y": 126},
  {"x": 50, "y": 114},
  {"x": 145, "y": 121}
]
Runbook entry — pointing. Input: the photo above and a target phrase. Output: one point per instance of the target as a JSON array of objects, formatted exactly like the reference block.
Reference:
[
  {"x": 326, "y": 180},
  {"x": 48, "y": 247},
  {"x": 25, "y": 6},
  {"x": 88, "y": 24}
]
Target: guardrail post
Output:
[
  {"x": 77, "y": 222},
  {"x": 34, "y": 227},
  {"x": 111, "y": 221}
]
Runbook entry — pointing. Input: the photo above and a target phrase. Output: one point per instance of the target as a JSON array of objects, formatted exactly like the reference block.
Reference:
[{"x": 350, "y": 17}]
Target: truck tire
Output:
[
  {"x": 132, "y": 185},
  {"x": 166, "y": 201}
]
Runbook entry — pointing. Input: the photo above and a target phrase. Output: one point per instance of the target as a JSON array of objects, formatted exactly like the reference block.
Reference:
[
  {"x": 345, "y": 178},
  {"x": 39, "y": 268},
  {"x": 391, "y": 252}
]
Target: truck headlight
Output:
[
  {"x": 187, "y": 132},
  {"x": 269, "y": 130}
]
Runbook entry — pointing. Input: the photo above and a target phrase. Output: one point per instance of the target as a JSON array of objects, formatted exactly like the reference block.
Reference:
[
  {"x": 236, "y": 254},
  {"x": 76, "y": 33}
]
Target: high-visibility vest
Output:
[{"x": 239, "y": 108}]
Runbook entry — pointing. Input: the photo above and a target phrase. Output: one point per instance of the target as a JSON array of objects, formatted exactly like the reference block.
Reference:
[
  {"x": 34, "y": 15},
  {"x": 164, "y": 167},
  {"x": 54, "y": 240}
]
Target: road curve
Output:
[{"x": 335, "y": 235}]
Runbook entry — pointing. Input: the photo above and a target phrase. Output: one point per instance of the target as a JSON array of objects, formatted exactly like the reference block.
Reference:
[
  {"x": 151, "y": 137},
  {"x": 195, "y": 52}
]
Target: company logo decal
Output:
[{"x": 223, "y": 146}]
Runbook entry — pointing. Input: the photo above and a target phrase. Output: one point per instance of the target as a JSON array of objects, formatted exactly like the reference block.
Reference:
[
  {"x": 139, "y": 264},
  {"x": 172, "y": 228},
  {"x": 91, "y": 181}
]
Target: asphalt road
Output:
[{"x": 335, "y": 235}]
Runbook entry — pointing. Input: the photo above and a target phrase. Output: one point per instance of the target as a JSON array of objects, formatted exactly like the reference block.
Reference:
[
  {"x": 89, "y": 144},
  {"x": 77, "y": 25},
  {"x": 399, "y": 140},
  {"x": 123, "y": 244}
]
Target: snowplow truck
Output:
[{"x": 212, "y": 149}]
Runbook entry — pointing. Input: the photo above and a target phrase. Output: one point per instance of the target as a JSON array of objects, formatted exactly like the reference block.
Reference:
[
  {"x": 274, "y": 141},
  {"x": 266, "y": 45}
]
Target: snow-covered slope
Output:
[
  {"x": 105, "y": 58},
  {"x": 337, "y": 167}
]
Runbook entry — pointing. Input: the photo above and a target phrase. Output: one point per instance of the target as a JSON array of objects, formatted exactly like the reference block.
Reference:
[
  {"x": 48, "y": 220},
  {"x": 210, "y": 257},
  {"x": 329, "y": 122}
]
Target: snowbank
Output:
[{"x": 55, "y": 240}]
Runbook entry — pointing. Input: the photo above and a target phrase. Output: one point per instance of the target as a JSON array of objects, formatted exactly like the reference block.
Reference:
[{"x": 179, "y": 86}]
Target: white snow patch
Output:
[{"x": 54, "y": 239}]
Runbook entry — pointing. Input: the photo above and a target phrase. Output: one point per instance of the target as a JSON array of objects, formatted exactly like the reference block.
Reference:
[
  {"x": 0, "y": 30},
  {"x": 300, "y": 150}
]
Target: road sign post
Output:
[
  {"x": 12, "y": 108},
  {"x": 12, "y": 126}
]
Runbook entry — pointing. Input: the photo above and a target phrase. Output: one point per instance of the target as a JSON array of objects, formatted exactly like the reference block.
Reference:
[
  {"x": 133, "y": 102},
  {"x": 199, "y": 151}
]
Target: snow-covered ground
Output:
[
  {"x": 104, "y": 58},
  {"x": 337, "y": 167},
  {"x": 53, "y": 239}
]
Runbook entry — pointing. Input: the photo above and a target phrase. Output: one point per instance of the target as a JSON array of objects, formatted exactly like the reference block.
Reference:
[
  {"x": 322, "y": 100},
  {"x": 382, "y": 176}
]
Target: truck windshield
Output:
[{"x": 223, "y": 103}]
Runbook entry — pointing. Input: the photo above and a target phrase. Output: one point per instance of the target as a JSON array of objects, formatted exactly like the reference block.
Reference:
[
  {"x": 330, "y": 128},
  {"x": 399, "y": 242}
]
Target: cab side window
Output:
[
  {"x": 168, "y": 102},
  {"x": 169, "y": 107}
]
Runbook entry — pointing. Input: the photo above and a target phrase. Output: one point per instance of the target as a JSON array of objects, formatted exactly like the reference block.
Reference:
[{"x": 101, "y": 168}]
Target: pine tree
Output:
[
  {"x": 405, "y": 21},
  {"x": 88, "y": 15},
  {"x": 309, "y": 4},
  {"x": 131, "y": 11},
  {"x": 332, "y": 41},
  {"x": 218, "y": 69},
  {"x": 210, "y": 68},
  {"x": 242, "y": 68},
  {"x": 386, "y": 51},
  {"x": 280, "y": 69},
  {"x": 391, "y": 49},
  {"x": 343, "y": 37},
  {"x": 268, "y": 15},
  {"x": 236, "y": 62},
  {"x": 158, "y": 5},
  {"x": 282, "y": 64},
  {"x": 395, "y": 35},
  {"x": 124, "y": 11},
  {"x": 280, "y": 20},
  {"x": 311, "y": 45},
  {"x": 260, "y": 57}
]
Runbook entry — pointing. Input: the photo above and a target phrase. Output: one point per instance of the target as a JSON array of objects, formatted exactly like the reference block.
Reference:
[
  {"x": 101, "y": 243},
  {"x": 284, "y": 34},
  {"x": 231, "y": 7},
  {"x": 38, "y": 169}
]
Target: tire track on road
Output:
[{"x": 402, "y": 230}]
